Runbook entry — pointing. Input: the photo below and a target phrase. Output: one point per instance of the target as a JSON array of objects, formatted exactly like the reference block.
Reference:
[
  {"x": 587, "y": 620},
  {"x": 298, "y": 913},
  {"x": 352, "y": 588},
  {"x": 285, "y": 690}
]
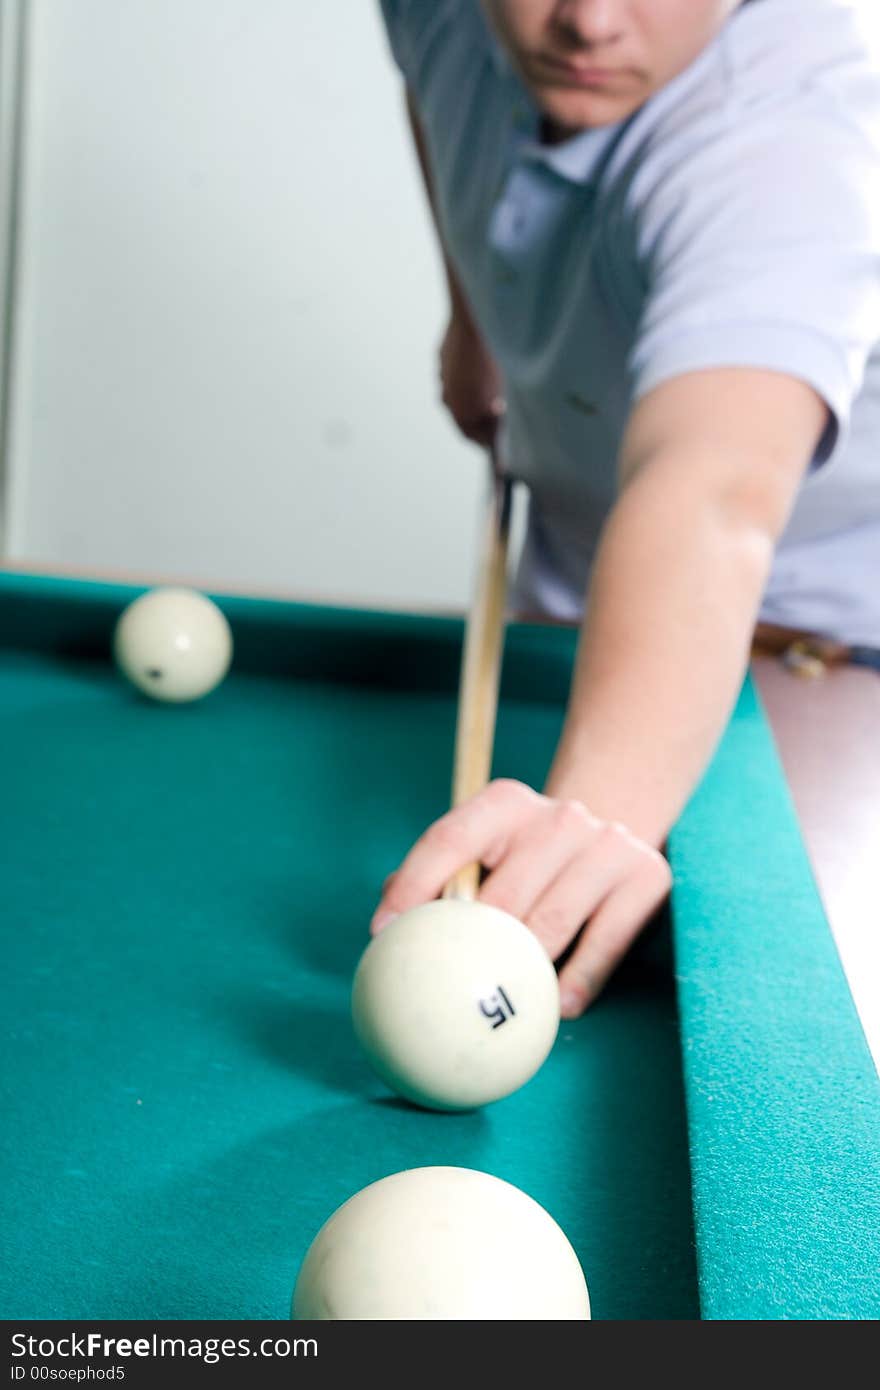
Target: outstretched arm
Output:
[{"x": 709, "y": 470}]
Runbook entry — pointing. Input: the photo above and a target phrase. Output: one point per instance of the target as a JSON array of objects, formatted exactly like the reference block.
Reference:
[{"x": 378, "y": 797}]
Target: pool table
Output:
[{"x": 184, "y": 896}]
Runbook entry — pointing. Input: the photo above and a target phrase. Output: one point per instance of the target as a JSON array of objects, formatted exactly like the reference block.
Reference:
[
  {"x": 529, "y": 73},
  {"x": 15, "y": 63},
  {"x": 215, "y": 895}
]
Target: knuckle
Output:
[
  {"x": 507, "y": 789},
  {"x": 500, "y": 897},
  {"x": 571, "y": 815},
  {"x": 551, "y": 924},
  {"x": 445, "y": 836},
  {"x": 495, "y": 852},
  {"x": 614, "y": 832}
]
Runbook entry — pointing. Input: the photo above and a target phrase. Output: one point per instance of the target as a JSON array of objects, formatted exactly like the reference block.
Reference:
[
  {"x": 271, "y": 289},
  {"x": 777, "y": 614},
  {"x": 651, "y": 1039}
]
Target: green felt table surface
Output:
[{"x": 184, "y": 897}]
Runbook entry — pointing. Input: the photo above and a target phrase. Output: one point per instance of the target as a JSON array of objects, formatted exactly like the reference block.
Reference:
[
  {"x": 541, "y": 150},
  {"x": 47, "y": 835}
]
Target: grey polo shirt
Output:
[{"x": 733, "y": 220}]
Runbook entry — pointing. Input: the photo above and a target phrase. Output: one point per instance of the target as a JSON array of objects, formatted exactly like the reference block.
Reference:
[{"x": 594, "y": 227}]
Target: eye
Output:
[{"x": 154, "y": 673}]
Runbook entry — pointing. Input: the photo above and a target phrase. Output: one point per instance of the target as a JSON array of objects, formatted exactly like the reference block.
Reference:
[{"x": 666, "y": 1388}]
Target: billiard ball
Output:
[
  {"x": 456, "y": 1004},
  {"x": 441, "y": 1243},
  {"x": 173, "y": 644}
]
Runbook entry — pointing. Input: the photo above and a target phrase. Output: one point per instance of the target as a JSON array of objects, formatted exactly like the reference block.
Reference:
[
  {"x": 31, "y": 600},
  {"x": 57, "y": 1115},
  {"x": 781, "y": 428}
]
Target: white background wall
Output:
[{"x": 228, "y": 304}]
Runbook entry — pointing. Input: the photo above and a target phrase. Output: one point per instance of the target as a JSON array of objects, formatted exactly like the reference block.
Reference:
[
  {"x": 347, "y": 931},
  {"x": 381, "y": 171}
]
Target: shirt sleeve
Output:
[
  {"x": 763, "y": 250},
  {"x": 395, "y": 15}
]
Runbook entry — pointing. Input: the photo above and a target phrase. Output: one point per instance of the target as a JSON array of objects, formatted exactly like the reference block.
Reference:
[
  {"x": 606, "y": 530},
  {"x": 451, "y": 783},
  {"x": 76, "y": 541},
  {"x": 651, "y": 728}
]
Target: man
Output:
[{"x": 661, "y": 227}]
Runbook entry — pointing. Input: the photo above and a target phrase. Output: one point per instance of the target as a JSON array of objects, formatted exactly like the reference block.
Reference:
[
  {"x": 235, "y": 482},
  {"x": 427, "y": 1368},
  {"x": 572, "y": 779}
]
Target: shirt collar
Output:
[{"x": 578, "y": 158}]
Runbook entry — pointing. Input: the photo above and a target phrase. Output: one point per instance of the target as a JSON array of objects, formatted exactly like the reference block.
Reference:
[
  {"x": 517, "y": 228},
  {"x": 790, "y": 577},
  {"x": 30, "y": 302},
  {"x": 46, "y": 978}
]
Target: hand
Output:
[
  {"x": 471, "y": 382},
  {"x": 551, "y": 864}
]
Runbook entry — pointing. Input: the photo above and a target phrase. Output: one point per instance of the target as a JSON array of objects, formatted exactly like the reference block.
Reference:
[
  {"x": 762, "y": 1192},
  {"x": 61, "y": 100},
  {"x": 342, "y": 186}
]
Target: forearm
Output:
[{"x": 674, "y": 594}]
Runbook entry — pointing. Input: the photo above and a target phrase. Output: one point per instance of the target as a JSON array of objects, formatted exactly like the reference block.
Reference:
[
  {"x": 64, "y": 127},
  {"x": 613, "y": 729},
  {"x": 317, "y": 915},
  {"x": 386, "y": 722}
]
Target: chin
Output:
[{"x": 574, "y": 111}]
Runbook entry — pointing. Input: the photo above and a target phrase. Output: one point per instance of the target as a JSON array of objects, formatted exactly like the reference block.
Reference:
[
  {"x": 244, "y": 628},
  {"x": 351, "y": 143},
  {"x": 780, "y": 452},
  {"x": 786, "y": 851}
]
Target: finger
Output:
[
  {"x": 480, "y": 826},
  {"x": 537, "y": 856},
  {"x": 584, "y": 882},
  {"x": 609, "y": 935},
  {"x": 482, "y": 431},
  {"x": 481, "y": 428}
]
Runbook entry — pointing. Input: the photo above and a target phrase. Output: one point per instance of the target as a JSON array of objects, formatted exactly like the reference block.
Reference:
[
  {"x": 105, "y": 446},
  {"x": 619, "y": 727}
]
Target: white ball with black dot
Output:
[
  {"x": 441, "y": 1243},
  {"x": 174, "y": 644},
  {"x": 456, "y": 1004}
]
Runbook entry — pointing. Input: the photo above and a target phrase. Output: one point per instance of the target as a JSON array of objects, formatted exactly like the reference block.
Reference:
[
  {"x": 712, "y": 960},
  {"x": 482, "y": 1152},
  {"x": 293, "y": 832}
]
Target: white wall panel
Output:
[{"x": 229, "y": 306}]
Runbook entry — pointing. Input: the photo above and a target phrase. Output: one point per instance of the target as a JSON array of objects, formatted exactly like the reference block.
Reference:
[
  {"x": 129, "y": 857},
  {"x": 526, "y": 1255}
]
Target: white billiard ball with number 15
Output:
[{"x": 456, "y": 1004}]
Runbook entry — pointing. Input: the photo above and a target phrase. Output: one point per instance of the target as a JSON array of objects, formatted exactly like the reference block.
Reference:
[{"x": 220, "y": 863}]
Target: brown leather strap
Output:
[{"x": 803, "y": 653}]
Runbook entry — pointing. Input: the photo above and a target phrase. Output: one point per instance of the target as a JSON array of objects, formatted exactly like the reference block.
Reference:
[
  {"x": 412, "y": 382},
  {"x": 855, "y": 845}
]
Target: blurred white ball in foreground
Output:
[
  {"x": 448, "y": 1243},
  {"x": 456, "y": 1004},
  {"x": 173, "y": 644}
]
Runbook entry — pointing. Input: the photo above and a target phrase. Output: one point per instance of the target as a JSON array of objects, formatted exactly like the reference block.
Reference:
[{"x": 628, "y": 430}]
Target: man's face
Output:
[{"x": 594, "y": 62}]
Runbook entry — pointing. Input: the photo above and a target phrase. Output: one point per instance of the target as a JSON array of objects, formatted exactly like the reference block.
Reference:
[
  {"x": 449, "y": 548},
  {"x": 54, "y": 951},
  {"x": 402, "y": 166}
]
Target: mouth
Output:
[{"x": 581, "y": 76}]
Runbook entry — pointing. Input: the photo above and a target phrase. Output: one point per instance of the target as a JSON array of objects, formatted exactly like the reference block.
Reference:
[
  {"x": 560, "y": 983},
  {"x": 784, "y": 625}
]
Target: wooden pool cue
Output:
[{"x": 481, "y": 666}]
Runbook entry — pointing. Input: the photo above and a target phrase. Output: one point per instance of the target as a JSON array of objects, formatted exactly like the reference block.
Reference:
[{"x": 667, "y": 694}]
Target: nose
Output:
[{"x": 589, "y": 23}]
